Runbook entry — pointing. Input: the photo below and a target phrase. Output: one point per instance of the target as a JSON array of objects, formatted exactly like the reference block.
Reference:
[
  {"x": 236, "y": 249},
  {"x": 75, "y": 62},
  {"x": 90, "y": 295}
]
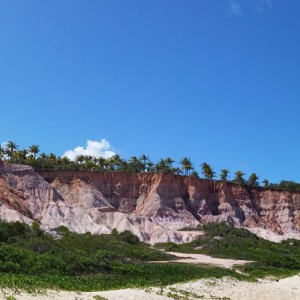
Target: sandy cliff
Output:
[{"x": 153, "y": 206}]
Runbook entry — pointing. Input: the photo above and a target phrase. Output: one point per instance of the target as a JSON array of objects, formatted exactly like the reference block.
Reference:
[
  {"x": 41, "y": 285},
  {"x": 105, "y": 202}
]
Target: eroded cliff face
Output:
[{"x": 153, "y": 206}]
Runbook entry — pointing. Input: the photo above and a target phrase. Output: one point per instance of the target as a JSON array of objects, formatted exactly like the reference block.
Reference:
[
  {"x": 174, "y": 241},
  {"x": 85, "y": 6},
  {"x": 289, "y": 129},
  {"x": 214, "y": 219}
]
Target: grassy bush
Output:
[
  {"x": 235, "y": 243},
  {"x": 123, "y": 276},
  {"x": 32, "y": 259}
]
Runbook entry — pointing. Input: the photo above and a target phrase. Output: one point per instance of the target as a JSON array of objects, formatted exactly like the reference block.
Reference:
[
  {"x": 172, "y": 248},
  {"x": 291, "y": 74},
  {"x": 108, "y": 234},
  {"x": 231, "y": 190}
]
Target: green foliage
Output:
[
  {"x": 33, "y": 260},
  {"x": 114, "y": 232},
  {"x": 207, "y": 171},
  {"x": 63, "y": 230},
  {"x": 186, "y": 165},
  {"x": 224, "y": 174},
  {"x": 165, "y": 166},
  {"x": 10, "y": 232},
  {"x": 36, "y": 229},
  {"x": 285, "y": 185},
  {"x": 199, "y": 227},
  {"x": 182, "y": 294},
  {"x": 10, "y": 298},
  {"x": 28, "y": 250},
  {"x": 239, "y": 179},
  {"x": 265, "y": 183},
  {"x": 235, "y": 243},
  {"x": 10, "y": 149},
  {"x": 123, "y": 276},
  {"x": 252, "y": 181},
  {"x": 128, "y": 237},
  {"x": 97, "y": 297}
]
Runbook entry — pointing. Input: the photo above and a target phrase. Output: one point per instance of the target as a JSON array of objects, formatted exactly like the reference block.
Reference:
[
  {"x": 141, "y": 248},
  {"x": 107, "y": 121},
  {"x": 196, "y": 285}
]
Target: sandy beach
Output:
[
  {"x": 223, "y": 289},
  {"x": 209, "y": 288},
  {"x": 208, "y": 260}
]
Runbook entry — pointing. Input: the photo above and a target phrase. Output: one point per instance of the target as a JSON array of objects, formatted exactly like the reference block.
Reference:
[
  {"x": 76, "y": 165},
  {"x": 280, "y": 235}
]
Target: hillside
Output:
[{"x": 153, "y": 206}]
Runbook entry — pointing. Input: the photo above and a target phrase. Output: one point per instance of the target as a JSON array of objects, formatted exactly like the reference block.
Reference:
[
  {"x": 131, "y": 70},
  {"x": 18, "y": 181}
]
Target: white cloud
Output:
[
  {"x": 93, "y": 148},
  {"x": 262, "y": 5},
  {"x": 268, "y": 2},
  {"x": 235, "y": 9},
  {"x": 238, "y": 7}
]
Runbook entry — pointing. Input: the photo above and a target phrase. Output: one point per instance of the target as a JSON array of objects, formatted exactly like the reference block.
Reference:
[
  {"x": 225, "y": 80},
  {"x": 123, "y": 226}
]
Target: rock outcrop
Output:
[{"x": 152, "y": 206}]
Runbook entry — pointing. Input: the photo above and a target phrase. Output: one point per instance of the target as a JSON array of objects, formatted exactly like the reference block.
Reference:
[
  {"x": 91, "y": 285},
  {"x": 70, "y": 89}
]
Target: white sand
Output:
[
  {"x": 284, "y": 289},
  {"x": 208, "y": 260}
]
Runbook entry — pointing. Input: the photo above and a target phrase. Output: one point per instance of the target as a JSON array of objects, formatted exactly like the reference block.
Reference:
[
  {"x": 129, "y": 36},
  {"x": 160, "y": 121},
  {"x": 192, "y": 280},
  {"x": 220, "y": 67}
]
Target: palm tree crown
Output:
[
  {"x": 207, "y": 171},
  {"x": 186, "y": 165},
  {"x": 224, "y": 174}
]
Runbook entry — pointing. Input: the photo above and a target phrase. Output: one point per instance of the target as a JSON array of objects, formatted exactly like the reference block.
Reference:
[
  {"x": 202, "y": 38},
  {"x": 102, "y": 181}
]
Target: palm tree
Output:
[
  {"x": 52, "y": 156},
  {"x": 2, "y": 152},
  {"x": 163, "y": 166},
  {"x": 135, "y": 165},
  {"x": 252, "y": 181},
  {"x": 186, "y": 165},
  {"x": 177, "y": 171},
  {"x": 103, "y": 163},
  {"x": 224, "y": 174},
  {"x": 145, "y": 159},
  {"x": 52, "y": 160},
  {"x": 65, "y": 162},
  {"x": 43, "y": 155},
  {"x": 23, "y": 154},
  {"x": 207, "y": 171},
  {"x": 169, "y": 161},
  {"x": 34, "y": 149},
  {"x": 150, "y": 167},
  {"x": 115, "y": 162},
  {"x": 265, "y": 182},
  {"x": 239, "y": 177},
  {"x": 10, "y": 148},
  {"x": 79, "y": 159},
  {"x": 19, "y": 156},
  {"x": 89, "y": 163}
]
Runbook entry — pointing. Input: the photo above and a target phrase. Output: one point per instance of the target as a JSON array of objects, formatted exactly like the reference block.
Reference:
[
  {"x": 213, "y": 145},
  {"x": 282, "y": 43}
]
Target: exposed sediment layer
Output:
[{"x": 153, "y": 206}]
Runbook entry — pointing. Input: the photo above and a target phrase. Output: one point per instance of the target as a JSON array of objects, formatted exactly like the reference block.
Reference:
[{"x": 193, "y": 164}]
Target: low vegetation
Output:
[
  {"x": 31, "y": 259},
  {"x": 225, "y": 241},
  {"x": 34, "y": 260}
]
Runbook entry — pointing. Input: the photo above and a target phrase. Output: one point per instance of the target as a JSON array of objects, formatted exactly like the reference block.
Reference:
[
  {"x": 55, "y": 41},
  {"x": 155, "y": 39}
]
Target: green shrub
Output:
[
  {"x": 64, "y": 230},
  {"x": 239, "y": 243},
  {"x": 128, "y": 237},
  {"x": 97, "y": 262}
]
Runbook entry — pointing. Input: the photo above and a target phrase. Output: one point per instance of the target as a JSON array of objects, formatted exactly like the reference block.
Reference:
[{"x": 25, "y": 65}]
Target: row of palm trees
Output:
[
  {"x": 31, "y": 156},
  {"x": 10, "y": 150}
]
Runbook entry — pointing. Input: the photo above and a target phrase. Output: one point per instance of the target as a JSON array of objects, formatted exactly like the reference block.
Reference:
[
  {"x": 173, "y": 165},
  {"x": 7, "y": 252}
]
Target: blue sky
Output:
[{"x": 214, "y": 80}]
